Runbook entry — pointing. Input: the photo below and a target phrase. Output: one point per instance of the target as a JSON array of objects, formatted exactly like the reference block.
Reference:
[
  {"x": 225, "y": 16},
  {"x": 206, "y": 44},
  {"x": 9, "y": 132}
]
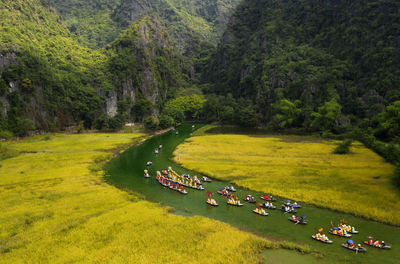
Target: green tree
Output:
[
  {"x": 287, "y": 113},
  {"x": 326, "y": 116}
]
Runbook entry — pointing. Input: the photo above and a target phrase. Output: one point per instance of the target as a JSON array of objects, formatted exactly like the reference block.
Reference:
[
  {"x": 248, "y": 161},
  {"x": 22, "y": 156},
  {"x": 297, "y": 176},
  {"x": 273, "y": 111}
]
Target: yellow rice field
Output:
[
  {"x": 299, "y": 168},
  {"x": 54, "y": 209}
]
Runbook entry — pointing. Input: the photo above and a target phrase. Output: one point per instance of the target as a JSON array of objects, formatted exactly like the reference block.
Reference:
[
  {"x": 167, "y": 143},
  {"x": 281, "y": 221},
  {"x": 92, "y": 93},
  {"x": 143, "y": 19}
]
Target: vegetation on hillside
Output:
[
  {"x": 299, "y": 168},
  {"x": 55, "y": 83},
  {"x": 313, "y": 65},
  {"x": 96, "y": 23}
]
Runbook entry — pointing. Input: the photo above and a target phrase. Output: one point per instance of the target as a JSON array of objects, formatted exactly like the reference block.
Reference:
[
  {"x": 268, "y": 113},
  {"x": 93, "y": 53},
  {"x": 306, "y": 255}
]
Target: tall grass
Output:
[
  {"x": 299, "y": 168},
  {"x": 54, "y": 209}
]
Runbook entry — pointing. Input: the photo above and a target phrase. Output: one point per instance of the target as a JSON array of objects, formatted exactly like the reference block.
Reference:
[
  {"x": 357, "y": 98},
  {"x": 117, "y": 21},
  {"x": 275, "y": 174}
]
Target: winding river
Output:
[{"x": 127, "y": 171}]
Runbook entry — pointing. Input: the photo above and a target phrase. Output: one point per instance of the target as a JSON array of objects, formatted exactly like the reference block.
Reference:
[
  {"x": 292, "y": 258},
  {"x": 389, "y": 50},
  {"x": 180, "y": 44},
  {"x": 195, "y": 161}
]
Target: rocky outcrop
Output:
[{"x": 7, "y": 56}]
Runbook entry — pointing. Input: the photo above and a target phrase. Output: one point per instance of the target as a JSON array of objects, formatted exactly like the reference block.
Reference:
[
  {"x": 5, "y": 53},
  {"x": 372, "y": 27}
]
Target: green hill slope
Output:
[
  {"x": 312, "y": 51},
  {"x": 97, "y": 22},
  {"x": 48, "y": 81}
]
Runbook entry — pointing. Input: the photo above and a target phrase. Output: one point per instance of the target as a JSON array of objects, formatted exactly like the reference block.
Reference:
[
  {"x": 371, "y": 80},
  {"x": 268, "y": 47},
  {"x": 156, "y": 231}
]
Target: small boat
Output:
[
  {"x": 222, "y": 191},
  {"x": 205, "y": 179},
  {"x": 288, "y": 210},
  {"x": 268, "y": 205},
  {"x": 182, "y": 191},
  {"x": 160, "y": 147},
  {"x": 326, "y": 241},
  {"x": 295, "y": 205},
  {"x": 212, "y": 202},
  {"x": 156, "y": 151},
  {"x": 349, "y": 229},
  {"x": 300, "y": 221},
  {"x": 268, "y": 198},
  {"x": 249, "y": 199},
  {"x": 377, "y": 246},
  {"x": 230, "y": 188},
  {"x": 146, "y": 174},
  {"x": 149, "y": 163},
  {"x": 357, "y": 249},
  {"x": 260, "y": 212},
  {"x": 341, "y": 235},
  {"x": 234, "y": 202}
]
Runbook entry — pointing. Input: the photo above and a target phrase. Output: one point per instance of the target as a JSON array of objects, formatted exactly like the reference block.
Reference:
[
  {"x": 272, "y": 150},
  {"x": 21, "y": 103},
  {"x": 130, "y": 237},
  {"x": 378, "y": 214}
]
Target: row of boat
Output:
[{"x": 172, "y": 180}]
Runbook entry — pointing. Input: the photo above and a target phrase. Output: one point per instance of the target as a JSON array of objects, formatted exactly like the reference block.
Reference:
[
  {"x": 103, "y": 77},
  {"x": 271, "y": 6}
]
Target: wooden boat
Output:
[
  {"x": 212, "y": 202},
  {"x": 262, "y": 212},
  {"x": 205, "y": 179},
  {"x": 327, "y": 241},
  {"x": 378, "y": 246},
  {"x": 344, "y": 235},
  {"x": 249, "y": 199},
  {"x": 268, "y": 198},
  {"x": 234, "y": 203},
  {"x": 269, "y": 206},
  {"x": 357, "y": 249},
  {"x": 297, "y": 221}
]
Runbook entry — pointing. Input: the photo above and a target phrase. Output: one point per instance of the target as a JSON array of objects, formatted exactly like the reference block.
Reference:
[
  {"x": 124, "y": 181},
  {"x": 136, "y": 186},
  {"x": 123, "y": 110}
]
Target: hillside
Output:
[
  {"x": 96, "y": 23},
  {"x": 48, "y": 81},
  {"x": 292, "y": 57}
]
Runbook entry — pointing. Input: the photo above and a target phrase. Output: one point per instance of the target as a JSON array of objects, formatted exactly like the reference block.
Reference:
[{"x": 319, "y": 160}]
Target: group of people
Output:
[
  {"x": 338, "y": 231},
  {"x": 322, "y": 237},
  {"x": 287, "y": 208},
  {"x": 376, "y": 243},
  {"x": 350, "y": 244},
  {"x": 297, "y": 219},
  {"x": 348, "y": 228}
]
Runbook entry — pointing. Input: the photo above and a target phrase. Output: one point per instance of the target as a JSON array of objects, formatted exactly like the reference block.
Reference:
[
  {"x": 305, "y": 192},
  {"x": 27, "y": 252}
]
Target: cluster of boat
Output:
[
  {"x": 171, "y": 179},
  {"x": 343, "y": 230}
]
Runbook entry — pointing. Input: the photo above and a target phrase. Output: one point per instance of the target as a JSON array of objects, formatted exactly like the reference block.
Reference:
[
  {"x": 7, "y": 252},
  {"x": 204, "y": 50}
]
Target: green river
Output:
[{"x": 127, "y": 171}]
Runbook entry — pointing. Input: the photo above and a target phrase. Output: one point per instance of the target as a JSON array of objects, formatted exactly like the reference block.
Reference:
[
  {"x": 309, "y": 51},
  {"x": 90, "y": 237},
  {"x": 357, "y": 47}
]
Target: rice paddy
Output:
[
  {"x": 299, "y": 168},
  {"x": 56, "y": 208}
]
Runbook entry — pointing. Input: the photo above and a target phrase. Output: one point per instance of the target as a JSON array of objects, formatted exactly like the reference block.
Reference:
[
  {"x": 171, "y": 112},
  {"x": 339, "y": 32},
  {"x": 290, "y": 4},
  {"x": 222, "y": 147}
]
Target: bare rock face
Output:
[
  {"x": 111, "y": 103},
  {"x": 7, "y": 56}
]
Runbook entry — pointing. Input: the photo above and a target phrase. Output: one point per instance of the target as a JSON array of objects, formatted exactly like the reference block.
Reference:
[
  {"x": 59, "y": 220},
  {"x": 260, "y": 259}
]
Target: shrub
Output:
[
  {"x": 151, "y": 122},
  {"x": 166, "y": 121},
  {"x": 5, "y": 134},
  {"x": 344, "y": 147}
]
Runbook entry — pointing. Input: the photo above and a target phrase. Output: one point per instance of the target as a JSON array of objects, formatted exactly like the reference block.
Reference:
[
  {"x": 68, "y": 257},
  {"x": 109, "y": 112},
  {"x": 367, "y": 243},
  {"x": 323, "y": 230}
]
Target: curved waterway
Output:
[{"x": 127, "y": 171}]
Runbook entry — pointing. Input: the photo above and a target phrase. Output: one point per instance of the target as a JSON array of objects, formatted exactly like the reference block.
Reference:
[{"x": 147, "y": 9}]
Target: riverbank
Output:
[
  {"x": 300, "y": 168},
  {"x": 56, "y": 208}
]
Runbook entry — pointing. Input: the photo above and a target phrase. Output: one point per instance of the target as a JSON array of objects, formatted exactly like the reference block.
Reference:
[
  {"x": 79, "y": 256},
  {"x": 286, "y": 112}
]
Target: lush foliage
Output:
[
  {"x": 50, "y": 214},
  {"x": 319, "y": 65},
  {"x": 58, "y": 83},
  {"x": 343, "y": 147},
  {"x": 299, "y": 168},
  {"x": 96, "y": 23}
]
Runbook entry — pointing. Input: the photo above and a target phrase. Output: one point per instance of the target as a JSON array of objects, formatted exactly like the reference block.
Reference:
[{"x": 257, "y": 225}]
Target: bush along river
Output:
[{"x": 127, "y": 171}]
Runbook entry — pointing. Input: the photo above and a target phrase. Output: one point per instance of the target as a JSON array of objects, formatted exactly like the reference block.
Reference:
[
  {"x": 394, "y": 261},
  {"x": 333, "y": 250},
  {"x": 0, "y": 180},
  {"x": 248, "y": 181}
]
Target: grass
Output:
[
  {"x": 56, "y": 208},
  {"x": 299, "y": 168}
]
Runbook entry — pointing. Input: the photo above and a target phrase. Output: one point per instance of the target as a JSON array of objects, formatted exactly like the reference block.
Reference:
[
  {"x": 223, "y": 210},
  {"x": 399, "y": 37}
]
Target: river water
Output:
[{"x": 127, "y": 171}]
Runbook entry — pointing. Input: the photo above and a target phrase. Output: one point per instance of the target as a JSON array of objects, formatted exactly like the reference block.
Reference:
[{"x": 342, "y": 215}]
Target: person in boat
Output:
[
  {"x": 324, "y": 237},
  {"x": 376, "y": 243},
  {"x": 302, "y": 219},
  {"x": 350, "y": 243},
  {"x": 383, "y": 244},
  {"x": 318, "y": 236},
  {"x": 359, "y": 246},
  {"x": 160, "y": 147}
]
